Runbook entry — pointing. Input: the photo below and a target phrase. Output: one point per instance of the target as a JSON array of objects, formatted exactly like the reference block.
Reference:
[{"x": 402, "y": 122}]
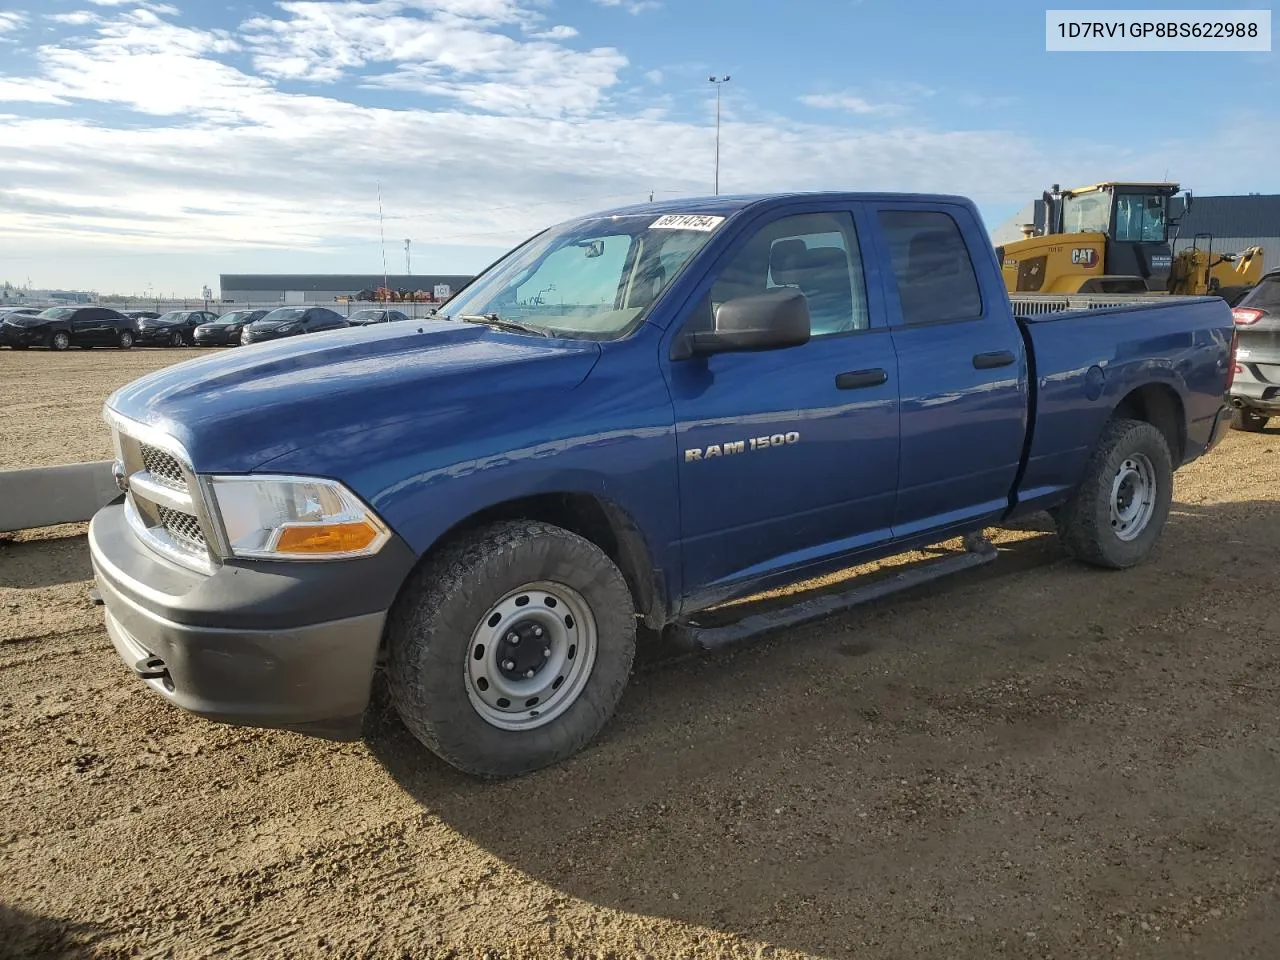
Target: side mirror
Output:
[{"x": 763, "y": 321}]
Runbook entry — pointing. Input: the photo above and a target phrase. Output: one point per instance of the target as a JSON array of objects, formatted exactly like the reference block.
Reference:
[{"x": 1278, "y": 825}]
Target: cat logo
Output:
[
  {"x": 735, "y": 447},
  {"x": 1084, "y": 256}
]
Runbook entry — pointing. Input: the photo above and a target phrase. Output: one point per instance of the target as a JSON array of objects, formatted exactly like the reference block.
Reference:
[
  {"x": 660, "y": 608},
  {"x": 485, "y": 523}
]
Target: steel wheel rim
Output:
[
  {"x": 561, "y": 656},
  {"x": 1133, "y": 497}
]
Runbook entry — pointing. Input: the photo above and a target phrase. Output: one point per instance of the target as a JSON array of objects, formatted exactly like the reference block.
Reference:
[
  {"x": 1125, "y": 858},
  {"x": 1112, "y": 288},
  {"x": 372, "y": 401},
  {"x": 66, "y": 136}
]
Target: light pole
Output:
[{"x": 718, "y": 81}]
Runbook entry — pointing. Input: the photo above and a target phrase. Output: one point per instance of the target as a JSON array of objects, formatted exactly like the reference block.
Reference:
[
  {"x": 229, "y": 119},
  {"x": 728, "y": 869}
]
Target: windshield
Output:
[
  {"x": 1140, "y": 217},
  {"x": 58, "y": 313},
  {"x": 283, "y": 314},
  {"x": 231, "y": 317},
  {"x": 171, "y": 317},
  {"x": 367, "y": 315},
  {"x": 1087, "y": 213},
  {"x": 590, "y": 278}
]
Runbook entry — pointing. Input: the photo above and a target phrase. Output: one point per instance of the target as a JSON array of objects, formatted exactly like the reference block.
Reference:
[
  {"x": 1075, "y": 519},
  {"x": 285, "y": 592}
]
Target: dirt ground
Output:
[
  {"x": 52, "y": 402},
  {"x": 1034, "y": 759}
]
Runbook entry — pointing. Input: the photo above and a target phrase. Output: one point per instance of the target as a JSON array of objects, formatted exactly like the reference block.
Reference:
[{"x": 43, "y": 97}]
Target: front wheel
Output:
[
  {"x": 59, "y": 340},
  {"x": 1250, "y": 421},
  {"x": 1123, "y": 501},
  {"x": 510, "y": 649},
  {"x": 175, "y": 339}
]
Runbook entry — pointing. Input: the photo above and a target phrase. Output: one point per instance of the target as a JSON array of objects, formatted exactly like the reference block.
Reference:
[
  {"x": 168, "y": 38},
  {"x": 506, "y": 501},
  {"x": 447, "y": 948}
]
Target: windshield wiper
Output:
[{"x": 502, "y": 323}]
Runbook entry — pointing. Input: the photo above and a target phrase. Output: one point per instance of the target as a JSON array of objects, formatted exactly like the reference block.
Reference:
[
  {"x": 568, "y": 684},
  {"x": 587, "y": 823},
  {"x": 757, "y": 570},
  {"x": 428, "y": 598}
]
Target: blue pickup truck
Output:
[{"x": 632, "y": 417}]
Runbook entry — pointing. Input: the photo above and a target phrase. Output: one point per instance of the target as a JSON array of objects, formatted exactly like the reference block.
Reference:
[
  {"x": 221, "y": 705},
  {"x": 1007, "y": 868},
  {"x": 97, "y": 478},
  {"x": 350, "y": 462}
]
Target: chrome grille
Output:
[
  {"x": 163, "y": 467},
  {"x": 164, "y": 506},
  {"x": 182, "y": 527}
]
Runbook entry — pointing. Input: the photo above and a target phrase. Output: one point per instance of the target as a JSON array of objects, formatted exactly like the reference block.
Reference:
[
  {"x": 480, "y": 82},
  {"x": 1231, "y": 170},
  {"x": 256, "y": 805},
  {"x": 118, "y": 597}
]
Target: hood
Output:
[{"x": 235, "y": 411}]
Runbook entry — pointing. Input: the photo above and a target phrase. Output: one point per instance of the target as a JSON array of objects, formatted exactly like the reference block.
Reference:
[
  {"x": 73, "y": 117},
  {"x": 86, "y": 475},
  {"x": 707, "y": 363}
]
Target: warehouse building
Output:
[{"x": 285, "y": 288}]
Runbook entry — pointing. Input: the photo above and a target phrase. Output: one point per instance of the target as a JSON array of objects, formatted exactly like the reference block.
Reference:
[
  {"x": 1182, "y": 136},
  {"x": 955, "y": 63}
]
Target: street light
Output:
[{"x": 718, "y": 81}]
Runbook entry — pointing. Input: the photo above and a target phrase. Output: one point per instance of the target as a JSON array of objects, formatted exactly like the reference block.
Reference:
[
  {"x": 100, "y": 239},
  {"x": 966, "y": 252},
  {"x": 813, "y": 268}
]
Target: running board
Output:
[{"x": 978, "y": 551}]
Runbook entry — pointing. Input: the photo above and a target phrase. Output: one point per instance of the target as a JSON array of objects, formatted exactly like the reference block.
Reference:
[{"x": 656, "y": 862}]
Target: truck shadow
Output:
[
  {"x": 727, "y": 790},
  {"x": 27, "y": 936},
  {"x": 45, "y": 562}
]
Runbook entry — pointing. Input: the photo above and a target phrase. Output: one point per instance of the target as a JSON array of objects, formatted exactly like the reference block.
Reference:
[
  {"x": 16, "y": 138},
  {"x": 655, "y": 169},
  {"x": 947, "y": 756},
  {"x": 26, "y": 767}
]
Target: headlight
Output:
[
  {"x": 295, "y": 518},
  {"x": 287, "y": 328}
]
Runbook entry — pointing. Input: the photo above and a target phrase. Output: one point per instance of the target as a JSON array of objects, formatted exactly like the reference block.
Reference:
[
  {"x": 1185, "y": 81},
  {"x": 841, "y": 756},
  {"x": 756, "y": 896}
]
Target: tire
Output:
[
  {"x": 176, "y": 339},
  {"x": 1250, "y": 421},
  {"x": 1131, "y": 456},
  {"x": 126, "y": 340},
  {"x": 59, "y": 340},
  {"x": 454, "y": 620}
]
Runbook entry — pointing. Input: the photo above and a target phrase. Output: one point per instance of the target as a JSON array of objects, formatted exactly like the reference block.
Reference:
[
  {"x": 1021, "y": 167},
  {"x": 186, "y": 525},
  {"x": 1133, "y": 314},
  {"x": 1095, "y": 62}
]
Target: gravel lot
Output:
[{"x": 1032, "y": 760}]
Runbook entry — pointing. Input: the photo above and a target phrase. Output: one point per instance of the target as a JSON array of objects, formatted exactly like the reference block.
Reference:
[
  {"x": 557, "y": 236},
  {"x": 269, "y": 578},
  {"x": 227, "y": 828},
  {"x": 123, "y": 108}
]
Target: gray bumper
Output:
[{"x": 245, "y": 645}]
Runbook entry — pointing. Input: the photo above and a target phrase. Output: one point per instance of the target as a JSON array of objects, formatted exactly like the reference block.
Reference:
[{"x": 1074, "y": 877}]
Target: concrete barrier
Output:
[{"x": 43, "y": 496}]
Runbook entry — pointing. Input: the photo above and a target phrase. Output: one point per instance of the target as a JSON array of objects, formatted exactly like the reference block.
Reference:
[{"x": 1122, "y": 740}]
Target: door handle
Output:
[
  {"x": 988, "y": 361},
  {"x": 855, "y": 379}
]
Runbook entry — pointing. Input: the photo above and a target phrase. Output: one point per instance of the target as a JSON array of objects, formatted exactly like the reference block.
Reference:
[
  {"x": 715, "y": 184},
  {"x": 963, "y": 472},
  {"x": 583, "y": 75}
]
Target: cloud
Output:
[
  {"x": 77, "y": 18},
  {"x": 848, "y": 102},
  {"x": 11, "y": 22},
  {"x": 453, "y": 49},
  {"x": 631, "y": 6},
  {"x": 654, "y": 76},
  {"x": 889, "y": 100}
]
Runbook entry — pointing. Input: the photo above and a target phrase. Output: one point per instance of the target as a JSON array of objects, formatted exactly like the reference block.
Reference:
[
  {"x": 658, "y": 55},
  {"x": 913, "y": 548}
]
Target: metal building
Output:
[
  {"x": 287, "y": 288},
  {"x": 1235, "y": 224}
]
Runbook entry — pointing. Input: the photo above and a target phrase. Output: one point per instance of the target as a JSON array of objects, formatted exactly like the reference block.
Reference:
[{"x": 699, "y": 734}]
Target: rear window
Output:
[
  {"x": 1265, "y": 296},
  {"x": 936, "y": 281}
]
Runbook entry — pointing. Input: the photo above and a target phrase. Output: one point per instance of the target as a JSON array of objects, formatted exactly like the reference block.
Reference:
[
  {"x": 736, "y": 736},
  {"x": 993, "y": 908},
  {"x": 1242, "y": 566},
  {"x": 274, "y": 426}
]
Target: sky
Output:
[{"x": 154, "y": 144}]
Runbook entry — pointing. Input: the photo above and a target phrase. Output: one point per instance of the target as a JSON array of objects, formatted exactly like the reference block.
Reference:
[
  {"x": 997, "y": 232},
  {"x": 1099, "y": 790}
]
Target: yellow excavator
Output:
[{"x": 1117, "y": 238}]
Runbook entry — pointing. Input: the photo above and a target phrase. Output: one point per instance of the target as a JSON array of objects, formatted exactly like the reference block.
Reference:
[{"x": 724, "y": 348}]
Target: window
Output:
[
  {"x": 1087, "y": 213},
  {"x": 931, "y": 264},
  {"x": 817, "y": 254},
  {"x": 1265, "y": 296},
  {"x": 1140, "y": 217}
]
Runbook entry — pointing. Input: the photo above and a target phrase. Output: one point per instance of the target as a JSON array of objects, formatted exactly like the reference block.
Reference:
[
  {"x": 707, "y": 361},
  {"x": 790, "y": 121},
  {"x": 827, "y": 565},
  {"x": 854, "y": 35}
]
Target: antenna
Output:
[
  {"x": 383, "y": 238},
  {"x": 407, "y": 268}
]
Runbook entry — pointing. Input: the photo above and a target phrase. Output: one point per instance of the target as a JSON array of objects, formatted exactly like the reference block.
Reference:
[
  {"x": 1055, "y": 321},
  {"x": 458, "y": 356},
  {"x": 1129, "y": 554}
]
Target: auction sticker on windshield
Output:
[{"x": 686, "y": 221}]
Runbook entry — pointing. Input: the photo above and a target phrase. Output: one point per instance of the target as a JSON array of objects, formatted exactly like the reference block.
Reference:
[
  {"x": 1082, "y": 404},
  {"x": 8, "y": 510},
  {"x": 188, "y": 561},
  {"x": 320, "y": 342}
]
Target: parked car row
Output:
[{"x": 60, "y": 328}]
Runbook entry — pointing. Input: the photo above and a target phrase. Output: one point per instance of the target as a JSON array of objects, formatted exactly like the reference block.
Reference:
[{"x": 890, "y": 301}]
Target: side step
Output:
[{"x": 978, "y": 551}]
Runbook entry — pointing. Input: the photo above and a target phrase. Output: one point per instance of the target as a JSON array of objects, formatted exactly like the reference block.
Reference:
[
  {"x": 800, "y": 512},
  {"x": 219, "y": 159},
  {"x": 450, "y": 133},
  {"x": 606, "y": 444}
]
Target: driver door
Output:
[{"x": 788, "y": 458}]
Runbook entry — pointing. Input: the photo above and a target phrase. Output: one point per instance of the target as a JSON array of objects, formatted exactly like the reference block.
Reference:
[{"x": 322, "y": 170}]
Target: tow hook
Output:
[{"x": 151, "y": 668}]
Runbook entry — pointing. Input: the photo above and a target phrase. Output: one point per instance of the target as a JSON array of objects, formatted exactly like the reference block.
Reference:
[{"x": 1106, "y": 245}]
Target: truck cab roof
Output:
[{"x": 726, "y": 205}]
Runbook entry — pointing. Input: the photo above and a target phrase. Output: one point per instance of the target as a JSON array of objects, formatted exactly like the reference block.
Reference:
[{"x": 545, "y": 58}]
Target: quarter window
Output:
[{"x": 931, "y": 264}]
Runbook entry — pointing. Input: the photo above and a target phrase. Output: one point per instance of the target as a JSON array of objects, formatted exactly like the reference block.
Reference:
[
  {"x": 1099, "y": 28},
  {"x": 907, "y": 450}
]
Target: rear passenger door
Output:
[
  {"x": 962, "y": 368},
  {"x": 87, "y": 326}
]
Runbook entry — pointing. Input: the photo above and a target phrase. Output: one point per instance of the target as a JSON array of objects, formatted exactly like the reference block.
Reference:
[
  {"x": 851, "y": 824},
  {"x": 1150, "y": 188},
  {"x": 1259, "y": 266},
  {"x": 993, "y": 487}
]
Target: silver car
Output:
[{"x": 1255, "y": 391}]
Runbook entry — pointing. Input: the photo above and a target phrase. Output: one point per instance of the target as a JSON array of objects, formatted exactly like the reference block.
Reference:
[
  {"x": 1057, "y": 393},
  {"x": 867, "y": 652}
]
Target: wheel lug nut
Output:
[
  {"x": 508, "y": 664},
  {"x": 546, "y": 652},
  {"x": 537, "y": 631},
  {"x": 528, "y": 673}
]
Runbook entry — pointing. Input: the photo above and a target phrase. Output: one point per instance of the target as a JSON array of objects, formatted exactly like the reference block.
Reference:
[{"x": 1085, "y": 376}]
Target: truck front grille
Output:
[
  {"x": 164, "y": 506},
  {"x": 182, "y": 527},
  {"x": 163, "y": 467}
]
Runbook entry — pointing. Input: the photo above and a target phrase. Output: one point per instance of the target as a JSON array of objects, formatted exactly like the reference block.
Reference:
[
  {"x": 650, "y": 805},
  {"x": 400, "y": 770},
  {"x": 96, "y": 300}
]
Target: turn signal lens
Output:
[{"x": 326, "y": 538}]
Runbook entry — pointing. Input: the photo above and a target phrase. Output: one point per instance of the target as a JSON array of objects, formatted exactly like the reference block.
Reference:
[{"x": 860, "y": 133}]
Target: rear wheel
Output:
[
  {"x": 1250, "y": 421},
  {"x": 126, "y": 339},
  {"x": 59, "y": 340},
  {"x": 1122, "y": 503},
  {"x": 510, "y": 649}
]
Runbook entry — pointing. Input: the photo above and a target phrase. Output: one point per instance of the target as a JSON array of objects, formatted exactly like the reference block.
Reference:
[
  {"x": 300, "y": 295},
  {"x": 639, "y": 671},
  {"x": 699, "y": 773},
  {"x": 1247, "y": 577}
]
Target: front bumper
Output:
[
  {"x": 156, "y": 336},
  {"x": 220, "y": 339},
  {"x": 22, "y": 336},
  {"x": 263, "y": 644}
]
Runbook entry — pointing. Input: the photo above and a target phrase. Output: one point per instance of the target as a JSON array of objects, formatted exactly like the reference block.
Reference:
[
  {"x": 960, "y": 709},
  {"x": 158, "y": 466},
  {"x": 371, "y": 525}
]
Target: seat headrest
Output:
[{"x": 792, "y": 262}]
